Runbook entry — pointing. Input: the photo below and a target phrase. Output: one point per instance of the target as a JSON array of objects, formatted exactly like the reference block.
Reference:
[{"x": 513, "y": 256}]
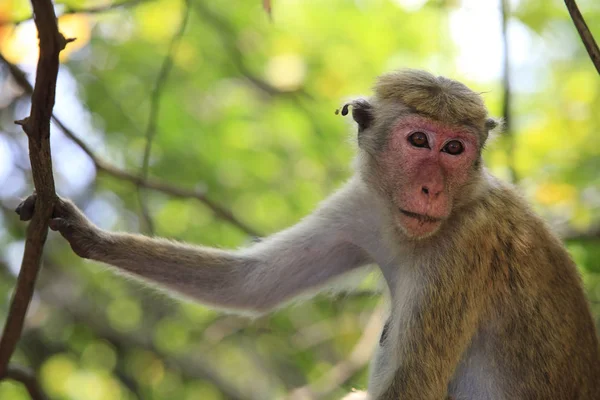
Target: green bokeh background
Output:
[{"x": 246, "y": 114}]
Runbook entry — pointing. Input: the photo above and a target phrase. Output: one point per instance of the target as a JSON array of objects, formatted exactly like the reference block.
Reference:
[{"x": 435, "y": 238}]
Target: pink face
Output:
[{"x": 425, "y": 164}]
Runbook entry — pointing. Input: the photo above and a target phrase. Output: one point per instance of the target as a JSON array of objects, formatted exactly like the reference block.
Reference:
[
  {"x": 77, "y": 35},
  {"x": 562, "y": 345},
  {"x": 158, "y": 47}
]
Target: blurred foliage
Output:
[{"x": 246, "y": 113}]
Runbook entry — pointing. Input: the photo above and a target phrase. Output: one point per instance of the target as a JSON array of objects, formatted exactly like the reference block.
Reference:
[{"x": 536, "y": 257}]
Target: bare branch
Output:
[
  {"x": 507, "y": 97},
  {"x": 154, "y": 184},
  {"x": 268, "y": 7},
  {"x": 18, "y": 75},
  {"x": 27, "y": 378},
  {"x": 192, "y": 365},
  {"x": 345, "y": 369},
  {"x": 37, "y": 128},
  {"x": 155, "y": 98},
  {"x": 592, "y": 234},
  {"x": 227, "y": 35},
  {"x": 148, "y": 222},
  {"x": 158, "y": 185},
  {"x": 584, "y": 32},
  {"x": 109, "y": 97},
  {"x": 91, "y": 10}
]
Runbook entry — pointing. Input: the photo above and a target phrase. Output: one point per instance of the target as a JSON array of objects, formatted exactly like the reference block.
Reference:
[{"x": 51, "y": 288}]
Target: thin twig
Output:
[
  {"x": 37, "y": 349},
  {"x": 268, "y": 7},
  {"x": 154, "y": 184},
  {"x": 507, "y": 97},
  {"x": 109, "y": 97},
  {"x": 584, "y": 32},
  {"x": 90, "y": 10},
  {"x": 348, "y": 367},
  {"x": 227, "y": 34},
  {"x": 18, "y": 75},
  {"x": 37, "y": 128},
  {"x": 155, "y": 98},
  {"x": 592, "y": 234},
  {"x": 28, "y": 379},
  {"x": 192, "y": 364}
]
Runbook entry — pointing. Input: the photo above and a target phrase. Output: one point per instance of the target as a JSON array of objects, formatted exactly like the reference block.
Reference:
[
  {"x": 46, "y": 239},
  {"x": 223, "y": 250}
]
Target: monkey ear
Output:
[
  {"x": 491, "y": 124},
  {"x": 362, "y": 113}
]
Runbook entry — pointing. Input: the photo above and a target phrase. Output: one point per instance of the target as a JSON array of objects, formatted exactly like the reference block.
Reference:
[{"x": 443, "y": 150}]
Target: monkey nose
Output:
[{"x": 430, "y": 192}]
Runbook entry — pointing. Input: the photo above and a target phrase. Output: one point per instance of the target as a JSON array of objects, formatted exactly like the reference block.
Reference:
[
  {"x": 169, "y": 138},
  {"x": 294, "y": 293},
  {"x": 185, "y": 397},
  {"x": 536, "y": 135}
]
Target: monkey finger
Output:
[
  {"x": 65, "y": 209},
  {"x": 19, "y": 208},
  {"x": 61, "y": 209},
  {"x": 58, "y": 224},
  {"x": 26, "y": 208}
]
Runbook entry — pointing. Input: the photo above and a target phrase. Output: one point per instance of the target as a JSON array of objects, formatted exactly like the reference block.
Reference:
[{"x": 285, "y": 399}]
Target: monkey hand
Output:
[{"x": 73, "y": 225}]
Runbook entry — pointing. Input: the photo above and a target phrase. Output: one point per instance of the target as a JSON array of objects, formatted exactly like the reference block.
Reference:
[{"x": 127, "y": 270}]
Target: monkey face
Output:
[{"x": 424, "y": 167}]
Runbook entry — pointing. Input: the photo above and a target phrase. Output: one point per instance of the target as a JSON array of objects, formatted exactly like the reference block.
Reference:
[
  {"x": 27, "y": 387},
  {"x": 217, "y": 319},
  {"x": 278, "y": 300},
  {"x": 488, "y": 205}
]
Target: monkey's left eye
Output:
[
  {"x": 418, "y": 139},
  {"x": 454, "y": 147}
]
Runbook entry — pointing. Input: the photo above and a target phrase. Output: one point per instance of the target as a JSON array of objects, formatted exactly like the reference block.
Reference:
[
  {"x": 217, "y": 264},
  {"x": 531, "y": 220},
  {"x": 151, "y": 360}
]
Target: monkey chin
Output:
[{"x": 417, "y": 226}]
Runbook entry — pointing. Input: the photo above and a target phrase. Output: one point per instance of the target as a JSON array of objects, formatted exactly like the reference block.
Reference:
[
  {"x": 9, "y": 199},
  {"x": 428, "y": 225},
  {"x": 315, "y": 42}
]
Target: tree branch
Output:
[
  {"x": 154, "y": 184},
  {"x": 507, "y": 96},
  {"x": 227, "y": 35},
  {"x": 592, "y": 234},
  {"x": 155, "y": 98},
  {"x": 268, "y": 7},
  {"x": 345, "y": 369},
  {"x": 38, "y": 349},
  {"x": 192, "y": 365},
  {"x": 37, "y": 128},
  {"x": 584, "y": 32},
  {"x": 91, "y": 10},
  {"x": 27, "y": 378}
]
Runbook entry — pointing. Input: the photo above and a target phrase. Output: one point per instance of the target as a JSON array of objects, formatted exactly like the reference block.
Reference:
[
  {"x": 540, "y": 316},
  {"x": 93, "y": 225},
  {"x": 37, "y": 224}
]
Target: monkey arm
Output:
[{"x": 256, "y": 278}]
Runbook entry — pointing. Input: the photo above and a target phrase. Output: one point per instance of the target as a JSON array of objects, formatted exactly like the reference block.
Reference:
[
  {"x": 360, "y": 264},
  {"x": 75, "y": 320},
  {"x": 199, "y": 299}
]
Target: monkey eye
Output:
[
  {"x": 453, "y": 147},
  {"x": 418, "y": 139}
]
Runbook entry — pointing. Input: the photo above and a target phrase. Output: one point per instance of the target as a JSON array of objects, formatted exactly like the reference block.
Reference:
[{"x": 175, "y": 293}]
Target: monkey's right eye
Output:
[{"x": 418, "y": 139}]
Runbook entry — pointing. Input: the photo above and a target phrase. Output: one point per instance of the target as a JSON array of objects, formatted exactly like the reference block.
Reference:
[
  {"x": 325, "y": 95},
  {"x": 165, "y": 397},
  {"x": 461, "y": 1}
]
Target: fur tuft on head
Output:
[{"x": 437, "y": 97}]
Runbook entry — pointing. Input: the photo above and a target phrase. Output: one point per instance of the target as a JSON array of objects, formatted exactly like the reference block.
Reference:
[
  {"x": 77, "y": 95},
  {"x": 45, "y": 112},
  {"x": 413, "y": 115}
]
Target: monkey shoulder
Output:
[
  {"x": 507, "y": 216},
  {"x": 533, "y": 283},
  {"x": 354, "y": 208},
  {"x": 521, "y": 256},
  {"x": 504, "y": 226}
]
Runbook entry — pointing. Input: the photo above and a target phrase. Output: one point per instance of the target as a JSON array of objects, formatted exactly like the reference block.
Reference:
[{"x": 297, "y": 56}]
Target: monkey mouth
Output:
[
  {"x": 418, "y": 226},
  {"x": 419, "y": 217}
]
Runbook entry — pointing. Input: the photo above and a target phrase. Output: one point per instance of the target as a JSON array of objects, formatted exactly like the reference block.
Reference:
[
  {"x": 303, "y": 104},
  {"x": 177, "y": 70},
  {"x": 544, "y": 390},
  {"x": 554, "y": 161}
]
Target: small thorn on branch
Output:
[
  {"x": 24, "y": 123},
  {"x": 62, "y": 41}
]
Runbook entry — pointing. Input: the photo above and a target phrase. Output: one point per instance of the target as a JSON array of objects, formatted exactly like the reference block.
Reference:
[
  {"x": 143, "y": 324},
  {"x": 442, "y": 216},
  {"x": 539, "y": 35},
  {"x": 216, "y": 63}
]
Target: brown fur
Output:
[
  {"x": 499, "y": 281},
  {"x": 440, "y": 98},
  {"x": 501, "y": 275}
]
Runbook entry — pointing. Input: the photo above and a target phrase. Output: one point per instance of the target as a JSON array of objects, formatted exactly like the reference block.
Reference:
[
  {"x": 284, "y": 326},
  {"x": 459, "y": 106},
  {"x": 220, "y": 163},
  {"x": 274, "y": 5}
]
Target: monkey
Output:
[{"x": 485, "y": 301}]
